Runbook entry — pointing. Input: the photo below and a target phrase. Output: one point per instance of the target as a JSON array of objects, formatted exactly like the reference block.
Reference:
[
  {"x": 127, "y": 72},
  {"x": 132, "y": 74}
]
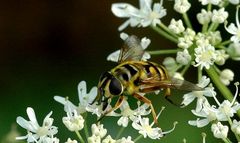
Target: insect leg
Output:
[
  {"x": 116, "y": 106},
  {"x": 154, "y": 88},
  {"x": 147, "y": 101}
]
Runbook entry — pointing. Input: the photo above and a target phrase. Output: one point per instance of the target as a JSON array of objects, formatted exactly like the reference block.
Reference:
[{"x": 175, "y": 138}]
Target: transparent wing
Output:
[
  {"x": 131, "y": 50},
  {"x": 173, "y": 83}
]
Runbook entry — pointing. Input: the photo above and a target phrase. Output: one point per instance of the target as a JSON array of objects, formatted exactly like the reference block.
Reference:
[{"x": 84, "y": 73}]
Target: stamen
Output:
[
  {"x": 236, "y": 93},
  {"x": 174, "y": 125},
  {"x": 158, "y": 115},
  {"x": 184, "y": 140},
  {"x": 204, "y": 137}
]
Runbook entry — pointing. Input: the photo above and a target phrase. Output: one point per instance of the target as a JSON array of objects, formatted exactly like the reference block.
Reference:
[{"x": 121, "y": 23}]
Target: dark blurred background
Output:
[{"x": 48, "y": 47}]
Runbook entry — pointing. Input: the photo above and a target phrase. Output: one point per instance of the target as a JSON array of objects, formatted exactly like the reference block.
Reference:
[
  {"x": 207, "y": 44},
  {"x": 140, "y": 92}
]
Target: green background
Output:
[{"x": 48, "y": 47}]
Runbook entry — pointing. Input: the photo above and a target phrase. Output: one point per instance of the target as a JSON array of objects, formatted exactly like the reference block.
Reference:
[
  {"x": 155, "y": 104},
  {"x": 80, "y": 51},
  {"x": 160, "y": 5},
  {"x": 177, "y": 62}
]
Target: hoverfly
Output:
[{"x": 132, "y": 76}]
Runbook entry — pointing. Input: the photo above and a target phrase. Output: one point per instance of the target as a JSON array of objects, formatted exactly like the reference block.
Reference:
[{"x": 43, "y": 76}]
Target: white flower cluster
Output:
[
  {"x": 206, "y": 49},
  {"x": 99, "y": 136},
  {"x": 211, "y": 114}
]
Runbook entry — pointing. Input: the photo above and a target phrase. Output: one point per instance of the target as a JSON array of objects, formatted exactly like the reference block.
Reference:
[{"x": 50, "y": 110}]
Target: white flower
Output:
[
  {"x": 233, "y": 29},
  {"x": 108, "y": 139},
  {"x": 219, "y": 16},
  {"x": 145, "y": 16},
  {"x": 208, "y": 114},
  {"x": 144, "y": 43},
  {"x": 85, "y": 98},
  {"x": 227, "y": 109},
  {"x": 182, "y": 6},
  {"x": 71, "y": 141},
  {"x": 178, "y": 75},
  {"x": 74, "y": 121},
  {"x": 236, "y": 126},
  {"x": 147, "y": 130},
  {"x": 202, "y": 40},
  {"x": 127, "y": 113},
  {"x": 94, "y": 139},
  {"x": 183, "y": 57},
  {"x": 50, "y": 140},
  {"x": 170, "y": 64},
  {"x": 187, "y": 40},
  {"x": 35, "y": 132},
  {"x": 219, "y": 130},
  {"x": 98, "y": 130},
  {"x": 226, "y": 76},
  {"x": 214, "y": 2},
  {"x": 184, "y": 42},
  {"x": 205, "y": 56},
  {"x": 125, "y": 140},
  {"x": 176, "y": 26},
  {"x": 214, "y": 37},
  {"x": 234, "y": 51},
  {"x": 200, "y": 95},
  {"x": 234, "y": 2},
  {"x": 221, "y": 57},
  {"x": 204, "y": 17}
]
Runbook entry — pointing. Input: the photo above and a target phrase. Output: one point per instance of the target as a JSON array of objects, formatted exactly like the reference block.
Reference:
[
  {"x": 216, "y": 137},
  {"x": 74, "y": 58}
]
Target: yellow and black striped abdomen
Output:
[{"x": 131, "y": 73}]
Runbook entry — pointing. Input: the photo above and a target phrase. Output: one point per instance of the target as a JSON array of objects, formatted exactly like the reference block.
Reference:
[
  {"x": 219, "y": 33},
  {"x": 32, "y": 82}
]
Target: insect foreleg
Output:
[
  {"x": 116, "y": 106},
  {"x": 147, "y": 101}
]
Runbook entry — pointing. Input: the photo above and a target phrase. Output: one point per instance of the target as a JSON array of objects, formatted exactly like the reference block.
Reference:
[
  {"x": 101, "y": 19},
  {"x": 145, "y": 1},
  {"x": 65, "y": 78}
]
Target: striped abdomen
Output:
[{"x": 131, "y": 73}]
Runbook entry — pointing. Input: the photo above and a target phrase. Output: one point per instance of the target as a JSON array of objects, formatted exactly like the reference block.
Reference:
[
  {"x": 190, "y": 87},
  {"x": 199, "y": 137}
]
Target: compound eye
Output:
[{"x": 115, "y": 87}]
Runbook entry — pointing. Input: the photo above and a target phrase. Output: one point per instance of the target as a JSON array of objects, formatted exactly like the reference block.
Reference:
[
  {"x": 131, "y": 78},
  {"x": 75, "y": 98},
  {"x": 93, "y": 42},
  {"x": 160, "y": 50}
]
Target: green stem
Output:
[
  {"x": 209, "y": 7},
  {"x": 162, "y": 52},
  {"x": 79, "y": 137},
  {"x": 187, "y": 21},
  {"x": 120, "y": 132},
  {"x": 138, "y": 138},
  {"x": 205, "y": 27},
  {"x": 221, "y": 87},
  {"x": 226, "y": 42},
  {"x": 199, "y": 74},
  {"x": 213, "y": 27},
  {"x": 185, "y": 68},
  {"x": 230, "y": 123},
  {"x": 164, "y": 27},
  {"x": 86, "y": 127},
  {"x": 164, "y": 34},
  {"x": 227, "y": 140}
]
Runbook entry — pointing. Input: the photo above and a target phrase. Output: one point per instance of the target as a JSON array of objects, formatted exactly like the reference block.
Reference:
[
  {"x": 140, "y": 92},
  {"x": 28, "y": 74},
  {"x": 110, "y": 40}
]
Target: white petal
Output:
[
  {"x": 92, "y": 94},
  {"x": 82, "y": 90},
  {"x": 123, "y": 36},
  {"x": 60, "y": 99},
  {"x": 32, "y": 116},
  {"x": 188, "y": 98},
  {"x": 124, "y": 10},
  {"x": 24, "y": 123},
  {"x": 145, "y": 42},
  {"x": 114, "y": 56}
]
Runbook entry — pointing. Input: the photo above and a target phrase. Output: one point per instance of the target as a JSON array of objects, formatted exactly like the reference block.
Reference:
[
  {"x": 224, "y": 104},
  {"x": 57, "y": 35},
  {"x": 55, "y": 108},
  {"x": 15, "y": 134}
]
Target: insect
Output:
[{"x": 132, "y": 77}]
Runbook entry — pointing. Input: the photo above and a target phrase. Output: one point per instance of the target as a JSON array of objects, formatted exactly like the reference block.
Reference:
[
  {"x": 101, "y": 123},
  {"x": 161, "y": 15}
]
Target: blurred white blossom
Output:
[{"x": 145, "y": 16}]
